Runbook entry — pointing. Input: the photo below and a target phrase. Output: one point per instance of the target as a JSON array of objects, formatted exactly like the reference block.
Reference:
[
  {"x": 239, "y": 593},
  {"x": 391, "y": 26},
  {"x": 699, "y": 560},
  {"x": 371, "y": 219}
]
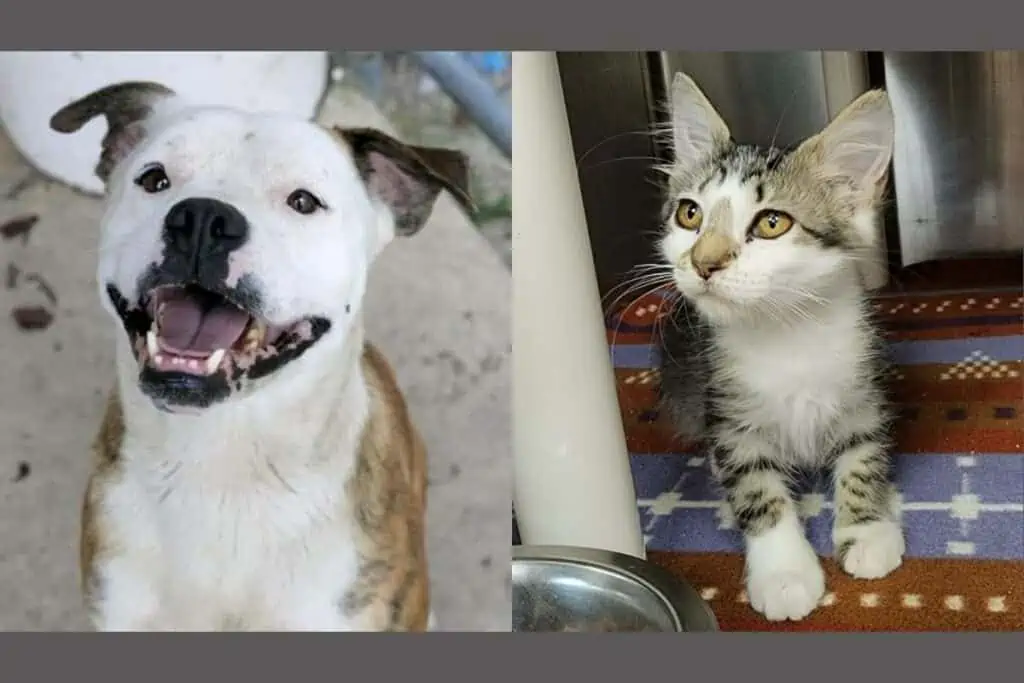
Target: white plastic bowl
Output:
[{"x": 34, "y": 85}]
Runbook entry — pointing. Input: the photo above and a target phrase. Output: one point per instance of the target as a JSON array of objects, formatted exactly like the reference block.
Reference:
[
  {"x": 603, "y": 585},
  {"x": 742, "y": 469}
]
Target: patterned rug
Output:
[{"x": 957, "y": 340}]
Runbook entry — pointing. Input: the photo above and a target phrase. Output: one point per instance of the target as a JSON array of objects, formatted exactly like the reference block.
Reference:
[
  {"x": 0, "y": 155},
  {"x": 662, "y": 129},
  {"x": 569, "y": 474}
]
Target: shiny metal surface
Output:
[
  {"x": 959, "y": 158},
  {"x": 565, "y": 589},
  {"x": 773, "y": 97}
]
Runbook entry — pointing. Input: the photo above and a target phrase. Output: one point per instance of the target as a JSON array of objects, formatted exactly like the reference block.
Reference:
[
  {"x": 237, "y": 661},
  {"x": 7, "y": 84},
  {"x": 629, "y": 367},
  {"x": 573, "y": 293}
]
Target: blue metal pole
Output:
[{"x": 473, "y": 93}]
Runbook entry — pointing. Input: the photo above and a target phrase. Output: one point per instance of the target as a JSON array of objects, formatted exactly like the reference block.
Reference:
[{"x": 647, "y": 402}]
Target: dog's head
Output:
[{"x": 233, "y": 242}]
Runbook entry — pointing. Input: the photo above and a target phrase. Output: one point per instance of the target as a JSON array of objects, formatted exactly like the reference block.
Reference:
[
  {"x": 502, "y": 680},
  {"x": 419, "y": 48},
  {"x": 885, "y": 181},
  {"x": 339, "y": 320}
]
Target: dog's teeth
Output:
[
  {"x": 177, "y": 360},
  {"x": 193, "y": 364},
  {"x": 151, "y": 344},
  {"x": 254, "y": 337},
  {"x": 158, "y": 359},
  {"x": 213, "y": 362}
]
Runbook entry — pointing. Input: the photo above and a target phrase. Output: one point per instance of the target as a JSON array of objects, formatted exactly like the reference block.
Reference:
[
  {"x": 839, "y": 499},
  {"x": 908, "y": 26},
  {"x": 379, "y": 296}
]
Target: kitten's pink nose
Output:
[
  {"x": 712, "y": 251},
  {"x": 706, "y": 270}
]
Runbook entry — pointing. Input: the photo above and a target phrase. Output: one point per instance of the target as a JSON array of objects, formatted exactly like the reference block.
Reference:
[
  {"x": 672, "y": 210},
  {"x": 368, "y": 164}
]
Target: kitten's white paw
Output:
[
  {"x": 787, "y": 593},
  {"x": 877, "y": 548},
  {"x": 784, "y": 577}
]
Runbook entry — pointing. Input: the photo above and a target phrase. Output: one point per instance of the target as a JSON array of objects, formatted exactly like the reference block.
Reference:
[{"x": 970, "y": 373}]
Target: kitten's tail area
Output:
[{"x": 686, "y": 418}]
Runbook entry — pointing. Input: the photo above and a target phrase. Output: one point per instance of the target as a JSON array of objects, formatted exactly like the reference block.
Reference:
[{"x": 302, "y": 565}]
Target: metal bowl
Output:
[{"x": 564, "y": 589}]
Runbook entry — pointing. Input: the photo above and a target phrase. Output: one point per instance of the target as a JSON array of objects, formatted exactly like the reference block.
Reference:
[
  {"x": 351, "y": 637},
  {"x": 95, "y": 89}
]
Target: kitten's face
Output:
[{"x": 752, "y": 231}]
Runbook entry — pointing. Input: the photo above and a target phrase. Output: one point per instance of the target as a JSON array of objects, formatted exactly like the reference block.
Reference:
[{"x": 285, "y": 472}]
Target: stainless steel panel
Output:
[
  {"x": 959, "y": 159},
  {"x": 765, "y": 97}
]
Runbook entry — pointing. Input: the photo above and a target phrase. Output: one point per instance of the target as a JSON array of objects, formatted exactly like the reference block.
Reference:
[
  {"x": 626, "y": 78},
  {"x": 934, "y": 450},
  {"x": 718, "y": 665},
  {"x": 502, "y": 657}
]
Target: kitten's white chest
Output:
[{"x": 797, "y": 384}]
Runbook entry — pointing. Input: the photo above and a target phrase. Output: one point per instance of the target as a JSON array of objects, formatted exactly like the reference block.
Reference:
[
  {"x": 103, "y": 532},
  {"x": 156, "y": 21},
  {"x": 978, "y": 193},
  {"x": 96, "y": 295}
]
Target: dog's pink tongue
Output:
[{"x": 185, "y": 327}]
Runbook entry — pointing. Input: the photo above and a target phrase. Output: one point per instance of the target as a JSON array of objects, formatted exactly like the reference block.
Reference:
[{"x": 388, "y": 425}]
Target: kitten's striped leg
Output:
[
  {"x": 867, "y": 536},
  {"x": 784, "y": 577}
]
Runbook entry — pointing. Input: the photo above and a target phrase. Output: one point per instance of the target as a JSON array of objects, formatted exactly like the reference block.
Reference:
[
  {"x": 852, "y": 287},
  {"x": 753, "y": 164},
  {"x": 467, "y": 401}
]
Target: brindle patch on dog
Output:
[
  {"x": 93, "y": 544},
  {"x": 388, "y": 492}
]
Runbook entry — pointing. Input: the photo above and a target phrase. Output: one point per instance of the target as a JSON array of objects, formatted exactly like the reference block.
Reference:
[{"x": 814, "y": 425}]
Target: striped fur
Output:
[{"x": 771, "y": 357}]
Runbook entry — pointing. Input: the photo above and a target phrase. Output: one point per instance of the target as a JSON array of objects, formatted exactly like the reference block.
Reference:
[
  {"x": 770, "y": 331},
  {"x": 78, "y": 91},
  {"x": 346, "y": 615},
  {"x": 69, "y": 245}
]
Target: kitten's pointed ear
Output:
[
  {"x": 858, "y": 143},
  {"x": 126, "y": 106},
  {"x": 406, "y": 178},
  {"x": 697, "y": 129}
]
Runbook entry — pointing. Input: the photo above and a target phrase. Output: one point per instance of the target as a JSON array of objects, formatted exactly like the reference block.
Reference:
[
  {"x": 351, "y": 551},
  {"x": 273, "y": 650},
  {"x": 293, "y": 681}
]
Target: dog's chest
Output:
[{"x": 243, "y": 545}]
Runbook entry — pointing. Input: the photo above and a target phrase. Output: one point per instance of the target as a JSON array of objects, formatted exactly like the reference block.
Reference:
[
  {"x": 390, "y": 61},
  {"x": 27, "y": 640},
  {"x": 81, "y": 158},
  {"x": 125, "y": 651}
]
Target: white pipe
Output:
[{"x": 572, "y": 480}]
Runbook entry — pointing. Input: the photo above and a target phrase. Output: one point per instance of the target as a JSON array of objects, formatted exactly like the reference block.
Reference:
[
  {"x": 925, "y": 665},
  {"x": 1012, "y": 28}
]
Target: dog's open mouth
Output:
[
  {"x": 198, "y": 332},
  {"x": 195, "y": 346}
]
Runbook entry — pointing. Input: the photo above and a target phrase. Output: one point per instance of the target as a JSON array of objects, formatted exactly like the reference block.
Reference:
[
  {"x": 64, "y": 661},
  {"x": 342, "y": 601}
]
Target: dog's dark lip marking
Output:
[
  {"x": 135, "y": 320},
  {"x": 169, "y": 389},
  {"x": 233, "y": 297},
  {"x": 244, "y": 296},
  {"x": 288, "y": 349}
]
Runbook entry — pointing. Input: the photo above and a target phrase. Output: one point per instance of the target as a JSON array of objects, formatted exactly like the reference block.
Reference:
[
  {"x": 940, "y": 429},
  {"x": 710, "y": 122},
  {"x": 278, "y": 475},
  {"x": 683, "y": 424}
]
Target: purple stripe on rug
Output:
[
  {"x": 914, "y": 352},
  {"x": 928, "y": 533},
  {"x": 954, "y": 505},
  {"x": 986, "y": 321},
  {"x": 1011, "y": 290},
  {"x": 922, "y": 477},
  {"x": 919, "y": 352},
  {"x": 635, "y": 356}
]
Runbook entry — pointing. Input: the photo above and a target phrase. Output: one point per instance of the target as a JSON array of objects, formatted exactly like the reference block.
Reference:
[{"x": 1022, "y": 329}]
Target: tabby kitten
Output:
[{"x": 770, "y": 356}]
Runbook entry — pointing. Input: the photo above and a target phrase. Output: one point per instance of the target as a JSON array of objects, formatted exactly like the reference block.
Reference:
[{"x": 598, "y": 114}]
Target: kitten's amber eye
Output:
[
  {"x": 772, "y": 224},
  {"x": 689, "y": 216}
]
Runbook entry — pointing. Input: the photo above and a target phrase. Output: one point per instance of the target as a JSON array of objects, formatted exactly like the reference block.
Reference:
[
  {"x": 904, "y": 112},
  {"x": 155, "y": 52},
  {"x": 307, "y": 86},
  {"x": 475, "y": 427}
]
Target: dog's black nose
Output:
[{"x": 199, "y": 227}]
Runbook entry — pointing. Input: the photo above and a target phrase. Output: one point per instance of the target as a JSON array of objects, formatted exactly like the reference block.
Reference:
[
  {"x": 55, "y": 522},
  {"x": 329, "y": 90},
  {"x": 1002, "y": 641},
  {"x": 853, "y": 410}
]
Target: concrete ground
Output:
[{"x": 439, "y": 307}]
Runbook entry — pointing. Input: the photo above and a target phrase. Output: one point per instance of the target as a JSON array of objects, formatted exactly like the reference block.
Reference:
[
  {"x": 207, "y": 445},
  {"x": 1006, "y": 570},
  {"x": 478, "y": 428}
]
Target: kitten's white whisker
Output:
[{"x": 604, "y": 141}]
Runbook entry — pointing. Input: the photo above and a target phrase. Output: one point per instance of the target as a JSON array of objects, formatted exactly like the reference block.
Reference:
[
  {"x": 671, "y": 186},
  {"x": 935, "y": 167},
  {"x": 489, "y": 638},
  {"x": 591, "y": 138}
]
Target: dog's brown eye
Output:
[
  {"x": 153, "y": 179},
  {"x": 304, "y": 202}
]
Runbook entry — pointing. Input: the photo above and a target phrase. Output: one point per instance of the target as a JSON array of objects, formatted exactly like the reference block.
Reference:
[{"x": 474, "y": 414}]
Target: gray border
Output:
[
  {"x": 507, "y": 24},
  {"x": 461, "y": 24},
  {"x": 519, "y": 658}
]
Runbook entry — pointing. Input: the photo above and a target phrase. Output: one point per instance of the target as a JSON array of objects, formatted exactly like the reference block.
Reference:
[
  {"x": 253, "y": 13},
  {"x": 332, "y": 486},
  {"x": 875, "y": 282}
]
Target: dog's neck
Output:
[{"x": 313, "y": 415}]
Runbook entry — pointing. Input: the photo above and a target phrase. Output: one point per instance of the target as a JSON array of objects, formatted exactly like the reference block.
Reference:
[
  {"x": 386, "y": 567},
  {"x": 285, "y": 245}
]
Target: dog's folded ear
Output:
[
  {"x": 407, "y": 178},
  {"x": 126, "y": 106}
]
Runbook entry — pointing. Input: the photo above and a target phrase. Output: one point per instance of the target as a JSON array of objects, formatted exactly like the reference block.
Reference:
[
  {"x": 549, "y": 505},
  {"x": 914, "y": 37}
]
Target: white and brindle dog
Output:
[{"x": 256, "y": 468}]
